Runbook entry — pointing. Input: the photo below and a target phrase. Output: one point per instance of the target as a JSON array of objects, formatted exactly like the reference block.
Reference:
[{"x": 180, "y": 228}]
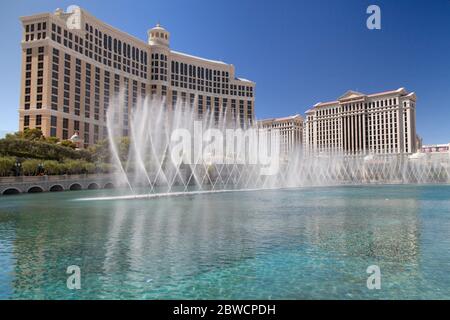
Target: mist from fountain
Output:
[{"x": 155, "y": 129}]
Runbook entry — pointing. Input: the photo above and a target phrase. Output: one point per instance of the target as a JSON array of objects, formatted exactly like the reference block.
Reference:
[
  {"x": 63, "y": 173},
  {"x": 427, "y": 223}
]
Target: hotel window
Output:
[
  {"x": 224, "y": 106},
  {"x": 200, "y": 106},
  {"x": 53, "y": 122},
  {"x": 174, "y": 99},
  {"x": 96, "y": 132},
  {"x": 216, "y": 110},
  {"x": 241, "y": 112},
  {"x": 249, "y": 111},
  {"x": 26, "y": 121},
  {"x": 65, "y": 131},
  {"x": 38, "y": 120},
  {"x": 208, "y": 104},
  {"x": 233, "y": 108},
  {"x": 86, "y": 133}
]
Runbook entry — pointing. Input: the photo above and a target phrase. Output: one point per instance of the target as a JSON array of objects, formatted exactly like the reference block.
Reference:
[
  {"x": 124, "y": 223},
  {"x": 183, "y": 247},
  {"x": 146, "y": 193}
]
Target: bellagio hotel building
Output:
[
  {"x": 74, "y": 64},
  {"x": 359, "y": 124}
]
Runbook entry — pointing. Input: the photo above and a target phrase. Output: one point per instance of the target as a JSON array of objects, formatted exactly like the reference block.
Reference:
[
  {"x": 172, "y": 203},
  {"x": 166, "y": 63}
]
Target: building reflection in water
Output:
[{"x": 156, "y": 246}]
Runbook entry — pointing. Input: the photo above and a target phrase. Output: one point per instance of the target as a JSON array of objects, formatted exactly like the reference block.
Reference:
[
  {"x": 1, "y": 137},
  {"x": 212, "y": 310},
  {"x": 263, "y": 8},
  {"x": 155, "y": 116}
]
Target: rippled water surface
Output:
[{"x": 285, "y": 244}]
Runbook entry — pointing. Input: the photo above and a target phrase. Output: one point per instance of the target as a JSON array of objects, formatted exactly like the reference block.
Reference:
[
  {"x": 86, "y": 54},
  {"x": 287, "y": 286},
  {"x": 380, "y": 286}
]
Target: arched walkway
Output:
[
  {"x": 109, "y": 185},
  {"x": 11, "y": 191},
  {"x": 56, "y": 188},
  {"x": 35, "y": 189},
  {"x": 93, "y": 186},
  {"x": 75, "y": 186}
]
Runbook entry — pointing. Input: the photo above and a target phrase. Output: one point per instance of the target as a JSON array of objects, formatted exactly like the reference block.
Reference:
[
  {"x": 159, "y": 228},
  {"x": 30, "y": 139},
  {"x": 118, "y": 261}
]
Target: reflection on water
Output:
[{"x": 293, "y": 244}]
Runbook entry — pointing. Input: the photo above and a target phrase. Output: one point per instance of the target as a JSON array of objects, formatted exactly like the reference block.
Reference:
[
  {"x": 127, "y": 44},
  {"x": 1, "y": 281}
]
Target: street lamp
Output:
[
  {"x": 18, "y": 165},
  {"x": 40, "y": 168}
]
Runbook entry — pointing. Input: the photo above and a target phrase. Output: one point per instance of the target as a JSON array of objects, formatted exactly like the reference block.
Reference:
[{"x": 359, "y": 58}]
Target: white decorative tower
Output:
[
  {"x": 158, "y": 36},
  {"x": 158, "y": 40}
]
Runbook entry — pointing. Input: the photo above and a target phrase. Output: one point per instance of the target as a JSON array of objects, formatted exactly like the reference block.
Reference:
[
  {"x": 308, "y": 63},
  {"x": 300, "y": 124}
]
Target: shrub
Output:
[
  {"x": 6, "y": 165},
  {"x": 39, "y": 150},
  {"x": 78, "y": 167},
  {"x": 30, "y": 167},
  {"x": 68, "y": 144},
  {"x": 105, "y": 168},
  {"x": 100, "y": 152},
  {"x": 28, "y": 134},
  {"x": 52, "y": 167},
  {"x": 52, "y": 140}
]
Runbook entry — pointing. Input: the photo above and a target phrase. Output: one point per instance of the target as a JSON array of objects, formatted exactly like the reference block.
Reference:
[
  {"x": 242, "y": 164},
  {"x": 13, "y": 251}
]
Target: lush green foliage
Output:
[
  {"x": 6, "y": 165},
  {"x": 23, "y": 148},
  {"x": 30, "y": 167},
  {"x": 100, "y": 152},
  {"x": 52, "y": 167},
  {"x": 68, "y": 144},
  {"x": 46, "y": 155},
  {"x": 28, "y": 134}
]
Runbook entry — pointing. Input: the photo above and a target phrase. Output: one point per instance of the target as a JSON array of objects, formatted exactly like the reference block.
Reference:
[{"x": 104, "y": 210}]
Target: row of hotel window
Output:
[
  {"x": 194, "y": 77},
  {"x": 67, "y": 84},
  {"x": 358, "y": 106},
  {"x": 216, "y": 79},
  {"x": 65, "y": 128},
  {"x": 134, "y": 59},
  {"x": 36, "y": 31},
  {"x": 328, "y": 135},
  {"x": 374, "y": 126},
  {"x": 39, "y": 78}
]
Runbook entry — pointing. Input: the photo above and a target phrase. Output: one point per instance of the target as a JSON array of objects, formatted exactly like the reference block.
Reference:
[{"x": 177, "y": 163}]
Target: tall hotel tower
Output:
[
  {"x": 74, "y": 64},
  {"x": 290, "y": 130},
  {"x": 359, "y": 124}
]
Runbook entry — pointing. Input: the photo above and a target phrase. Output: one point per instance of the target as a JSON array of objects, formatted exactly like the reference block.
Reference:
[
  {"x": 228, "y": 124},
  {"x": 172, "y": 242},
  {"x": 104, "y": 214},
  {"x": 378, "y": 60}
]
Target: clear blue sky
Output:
[{"x": 297, "y": 52}]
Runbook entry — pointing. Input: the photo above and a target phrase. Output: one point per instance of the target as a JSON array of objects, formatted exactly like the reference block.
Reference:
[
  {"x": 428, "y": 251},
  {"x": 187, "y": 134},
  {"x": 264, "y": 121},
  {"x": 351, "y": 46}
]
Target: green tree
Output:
[
  {"x": 68, "y": 144},
  {"x": 30, "y": 167},
  {"x": 106, "y": 168},
  {"x": 53, "y": 140},
  {"x": 24, "y": 148},
  {"x": 33, "y": 134},
  {"x": 124, "y": 148},
  {"x": 6, "y": 165},
  {"x": 100, "y": 152},
  {"x": 52, "y": 167}
]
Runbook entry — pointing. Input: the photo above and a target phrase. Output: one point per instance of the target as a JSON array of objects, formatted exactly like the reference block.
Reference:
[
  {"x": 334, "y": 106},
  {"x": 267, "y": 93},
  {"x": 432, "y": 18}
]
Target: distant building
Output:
[
  {"x": 290, "y": 130},
  {"x": 73, "y": 64},
  {"x": 357, "y": 123},
  {"x": 436, "y": 148}
]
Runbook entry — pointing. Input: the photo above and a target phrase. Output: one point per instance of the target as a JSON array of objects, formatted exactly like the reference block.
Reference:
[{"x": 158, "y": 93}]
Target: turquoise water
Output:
[{"x": 313, "y": 243}]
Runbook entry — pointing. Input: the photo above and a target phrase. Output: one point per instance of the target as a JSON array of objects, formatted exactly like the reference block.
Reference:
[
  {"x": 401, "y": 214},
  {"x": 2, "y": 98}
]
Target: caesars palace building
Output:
[
  {"x": 74, "y": 64},
  {"x": 359, "y": 124}
]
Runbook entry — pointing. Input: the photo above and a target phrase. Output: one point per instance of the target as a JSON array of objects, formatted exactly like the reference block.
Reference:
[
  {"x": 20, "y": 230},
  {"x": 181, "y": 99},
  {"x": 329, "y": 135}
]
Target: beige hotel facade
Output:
[
  {"x": 73, "y": 65},
  {"x": 359, "y": 124},
  {"x": 290, "y": 130}
]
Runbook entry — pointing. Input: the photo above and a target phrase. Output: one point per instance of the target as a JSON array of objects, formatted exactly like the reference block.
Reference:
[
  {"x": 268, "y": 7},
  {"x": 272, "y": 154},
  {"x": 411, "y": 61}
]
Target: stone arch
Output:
[
  {"x": 93, "y": 186},
  {"x": 10, "y": 191},
  {"x": 35, "y": 189},
  {"x": 109, "y": 185},
  {"x": 75, "y": 187},
  {"x": 56, "y": 188}
]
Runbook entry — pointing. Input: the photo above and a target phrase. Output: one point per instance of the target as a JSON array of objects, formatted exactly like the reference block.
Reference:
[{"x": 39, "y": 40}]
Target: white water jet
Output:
[{"x": 149, "y": 168}]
